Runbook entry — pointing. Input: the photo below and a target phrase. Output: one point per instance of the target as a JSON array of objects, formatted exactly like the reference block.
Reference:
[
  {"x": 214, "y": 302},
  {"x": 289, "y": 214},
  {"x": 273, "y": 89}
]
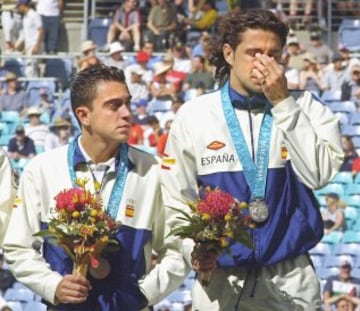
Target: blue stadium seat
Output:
[
  {"x": 343, "y": 178},
  {"x": 4, "y": 139},
  {"x": 349, "y": 33},
  {"x": 353, "y": 201},
  {"x": 35, "y": 306},
  {"x": 330, "y": 96},
  {"x": 322, "y": 249},
  {"x": 343, "y": 106},
  {"x": 15, "y": 305},
  {"x": 355, "y": 273},
  {"x": 352, "y": 249},
  {"x": 97, "y": 31},
  {"x": 323, "y": 273},
  {"x": 356, "y": 225},
  {"x": 351, "y": 236},
  {"x": 33, "y": 90},
  {"x": 356, "y": 141},
  {"x": 351, "y": 215},
  {"x": 317, "y": 260},
  {"x": 351, "y": 130},
  {"x": 15, "y": 65},
  {"x": 332, "y": 238},
  {"x": 335, "y": 260},
  {"x": 11, "y": 118},
  {"x": 61, "y": 69},
  {"x": 353, "y": 189},
  {"x": 333, "y": 187},
  {"x": 355, "y": 118}
]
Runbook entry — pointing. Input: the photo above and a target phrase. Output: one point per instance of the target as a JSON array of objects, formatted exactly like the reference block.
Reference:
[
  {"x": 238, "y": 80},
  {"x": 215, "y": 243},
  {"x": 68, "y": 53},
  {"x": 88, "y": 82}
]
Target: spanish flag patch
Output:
[
  {"x": 167, "y": 163},
  {"x": 129, "y": 211}
]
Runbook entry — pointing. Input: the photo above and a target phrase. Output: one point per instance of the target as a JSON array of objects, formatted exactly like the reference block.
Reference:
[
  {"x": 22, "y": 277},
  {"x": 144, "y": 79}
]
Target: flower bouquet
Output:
[
  {"x": 215, "y": 223},
  {"x": 82, "y": 229}
]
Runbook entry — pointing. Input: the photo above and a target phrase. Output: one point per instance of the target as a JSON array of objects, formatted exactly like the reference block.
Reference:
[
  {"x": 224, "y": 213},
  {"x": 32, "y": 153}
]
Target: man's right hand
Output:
[{"x": 72, "y": 289}]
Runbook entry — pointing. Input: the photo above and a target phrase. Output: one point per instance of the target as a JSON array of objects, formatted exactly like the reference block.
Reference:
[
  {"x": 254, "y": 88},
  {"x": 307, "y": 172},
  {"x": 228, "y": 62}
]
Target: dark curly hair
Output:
[{"x": 230, "y": 29}]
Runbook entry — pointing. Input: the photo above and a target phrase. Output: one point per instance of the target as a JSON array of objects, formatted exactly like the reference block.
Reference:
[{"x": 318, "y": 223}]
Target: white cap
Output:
[{"x": 116, "y": 47}]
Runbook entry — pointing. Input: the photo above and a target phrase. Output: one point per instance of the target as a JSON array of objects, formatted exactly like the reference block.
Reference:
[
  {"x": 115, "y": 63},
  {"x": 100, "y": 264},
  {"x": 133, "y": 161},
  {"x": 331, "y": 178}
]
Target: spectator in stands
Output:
[
  {"x": 174, "y": 76},
  {"x": 161, "y": 143},
  {"x": 89, "y": 58},
  {"x": 345, "y": 54},
  {"x": 142, "y": 58},
  {"x": 199, "y": 74},
  {"x": 181, "y": 59},
  {"x": 292, "y": 74},
  {"x": 294, "y": 53},
  {"x": 126, "y": 25},
  {"x": 136, "y": 136},
  {"x": 148, "y": 48},
  {"x": 140, "y": 114},
  {"x": 162, "y": 21},
  {"x": 137, "y": 86},
  {"x": 33, "y": 34},
  {"x": 13, "y": 99},
  {"x": 207, "y": 19},
  {"x": 60, "y": 133},
  {"x": 115, "y": 57},
  {"x": 294, "y": 7},
  {"x": 46, "y": 103},
  {"x": 36, "y": 130},
  {"x": 11, "y": 24},
  {"x": 350, "y": 89},
  {"x": 6, "y": 278},
  {"x": 160, "y": 88},
  {"x": 21, "y": 146},
  {"x": 101, "y": 102},
  {"x": 201, "y": 44},
  {"x": 8, "y": 185},
  {"x": 333, "y": 217},
  {"x": 153, "y": 132},
  {"x": 340, "y": 286},
  {"x": 334, "y": 76},
  {"x": 50, "y": 12},
  {"x": 311, "y": 75},
  {"x": 319, "y": 49},
  {"x": 350, "y": 153},
  {"x": 170, "y": 115}
]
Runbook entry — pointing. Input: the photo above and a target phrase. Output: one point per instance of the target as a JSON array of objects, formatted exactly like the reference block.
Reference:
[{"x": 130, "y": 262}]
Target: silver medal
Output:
[{"x": 259, "y": 211}]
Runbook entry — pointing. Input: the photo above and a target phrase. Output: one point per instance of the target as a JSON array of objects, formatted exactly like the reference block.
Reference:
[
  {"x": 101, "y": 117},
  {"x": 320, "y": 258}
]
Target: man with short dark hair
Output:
[{"x": 21, "y": 146}]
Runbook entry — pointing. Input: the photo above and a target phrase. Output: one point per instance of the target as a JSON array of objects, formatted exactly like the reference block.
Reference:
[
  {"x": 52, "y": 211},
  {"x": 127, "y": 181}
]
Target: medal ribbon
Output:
[
  {"x": 121, "y": 175},
  {"x": 255, "y": 174}
]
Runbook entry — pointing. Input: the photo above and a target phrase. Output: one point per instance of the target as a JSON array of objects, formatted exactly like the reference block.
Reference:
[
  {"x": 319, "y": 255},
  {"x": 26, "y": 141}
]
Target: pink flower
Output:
[
  {"x": 74, "y": 199},
  {"x": 216, "y": 203}
]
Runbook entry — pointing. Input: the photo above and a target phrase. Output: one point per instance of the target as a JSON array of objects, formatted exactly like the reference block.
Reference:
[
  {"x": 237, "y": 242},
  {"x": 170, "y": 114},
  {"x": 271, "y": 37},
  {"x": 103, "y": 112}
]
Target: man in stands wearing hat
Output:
[
  {"x": 341, "y": 286},
  {"x": 333, "y": 216},
  {"x": 11, "y": 24},
  {"x": 142, "y": 59},
  {"x": 115, "y": 57},
  {"x": 293, "y": 53},
  {"x": 350, "y": 89},
  {"x": 89, "y": 58},
  {"x": 310, "y": 76},
  {"x": 36, "y": 130},
  {"x": 60, "y": 132},
  {"x": 319, "y": 49},
  {"x": 160, "y": 88},
  {"x": 334, "y": 76},
  {"x": 21, "y": 146},
  {"x": 126, "y": 25},
  {"x": 137, "y": 86},
  {"x": 33, "y": 36},
  {"x": 13, "y": 99}
]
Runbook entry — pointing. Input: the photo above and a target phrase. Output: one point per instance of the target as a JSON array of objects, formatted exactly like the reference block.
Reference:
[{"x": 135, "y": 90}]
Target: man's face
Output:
[
  {"x": 148, "y": 48},
  {"x": 242, "y": 59},
  {"x": 109, "y": 118},
  {"x": 344, "y": 272}
]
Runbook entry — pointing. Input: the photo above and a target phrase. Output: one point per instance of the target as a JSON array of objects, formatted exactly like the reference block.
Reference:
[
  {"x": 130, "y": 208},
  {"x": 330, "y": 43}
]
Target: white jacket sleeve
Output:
[
  {"x": 172, "y": 268},
  {"x": 7, "y": 193},
  {"x": 27, "y": 264},
  {"x": 312, "y": 137}
]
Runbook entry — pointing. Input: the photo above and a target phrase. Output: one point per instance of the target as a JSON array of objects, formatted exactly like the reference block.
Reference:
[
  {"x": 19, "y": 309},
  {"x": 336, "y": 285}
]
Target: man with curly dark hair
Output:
[{"x": 266, "y": 146}]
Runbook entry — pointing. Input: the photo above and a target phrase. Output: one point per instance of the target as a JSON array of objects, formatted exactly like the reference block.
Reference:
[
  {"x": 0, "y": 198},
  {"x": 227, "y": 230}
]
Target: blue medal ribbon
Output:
[
  {"x": 255, "y": 174},
  {"x": 121, "y": 175}
]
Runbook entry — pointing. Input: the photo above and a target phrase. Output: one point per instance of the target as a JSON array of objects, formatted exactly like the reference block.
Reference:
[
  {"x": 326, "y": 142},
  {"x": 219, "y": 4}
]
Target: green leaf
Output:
[{"x": 187, "y": 216}]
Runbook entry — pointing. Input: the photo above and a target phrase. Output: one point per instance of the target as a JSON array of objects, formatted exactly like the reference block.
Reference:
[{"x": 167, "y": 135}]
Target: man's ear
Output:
[
  {"x": 82, "y": 114},
  {"x": 228, "y": 54}
]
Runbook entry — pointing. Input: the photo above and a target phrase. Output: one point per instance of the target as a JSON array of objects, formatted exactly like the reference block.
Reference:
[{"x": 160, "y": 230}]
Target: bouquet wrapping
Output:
[
  {"x": 215, "y": 223},
  {"x": 83, "y": 229}
]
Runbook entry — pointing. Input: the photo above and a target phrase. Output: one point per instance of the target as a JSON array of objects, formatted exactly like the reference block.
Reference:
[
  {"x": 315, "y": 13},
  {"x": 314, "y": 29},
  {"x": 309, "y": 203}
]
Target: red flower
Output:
[
  {"x": 74, "y": 199},
  {"x": 216, "y": 203}
]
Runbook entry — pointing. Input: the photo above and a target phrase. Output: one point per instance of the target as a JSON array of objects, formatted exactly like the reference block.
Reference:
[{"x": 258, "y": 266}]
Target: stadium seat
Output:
[
  {"x": 355, "y": 118},
  {"x": 323, "y": 273},
  {"x": 356, "y": 141},
  {"x": 35, "y": 306},
  {"x": 97, "y": 31},
  {"x": 333, "y": 187},
  {"x": 353, "y": 201},
  {"x": 352, "y": 249},
  {"x": 335, "y": 260},
  {"x": 19, "y": 294},
  {"x": 356, "y": 225},
  {"x": 15, "y": 65},
  {"x": 61, "y": 69},
  {"x": 33, "y": 90},
  {"x": 15, "y": 305},
  {"x": 351, "y": 215},
  {"x": 343, "y": 106},
  {"x": 317, "y": 260},
  {"x": 330, "y": 96},
  {"x": 349, "y": 33},
  {"x": 332, "y": 238},
  {"x": 355, "y": 273},
  {"x": 351, "y": 236},
  {"x": 322, "y": 249},
  {"x": 11, "y": 118},
  {"x": 353, "y": 189},
  {"x": 351, "y": 130},
  {"x": 343, "y": 178}
]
